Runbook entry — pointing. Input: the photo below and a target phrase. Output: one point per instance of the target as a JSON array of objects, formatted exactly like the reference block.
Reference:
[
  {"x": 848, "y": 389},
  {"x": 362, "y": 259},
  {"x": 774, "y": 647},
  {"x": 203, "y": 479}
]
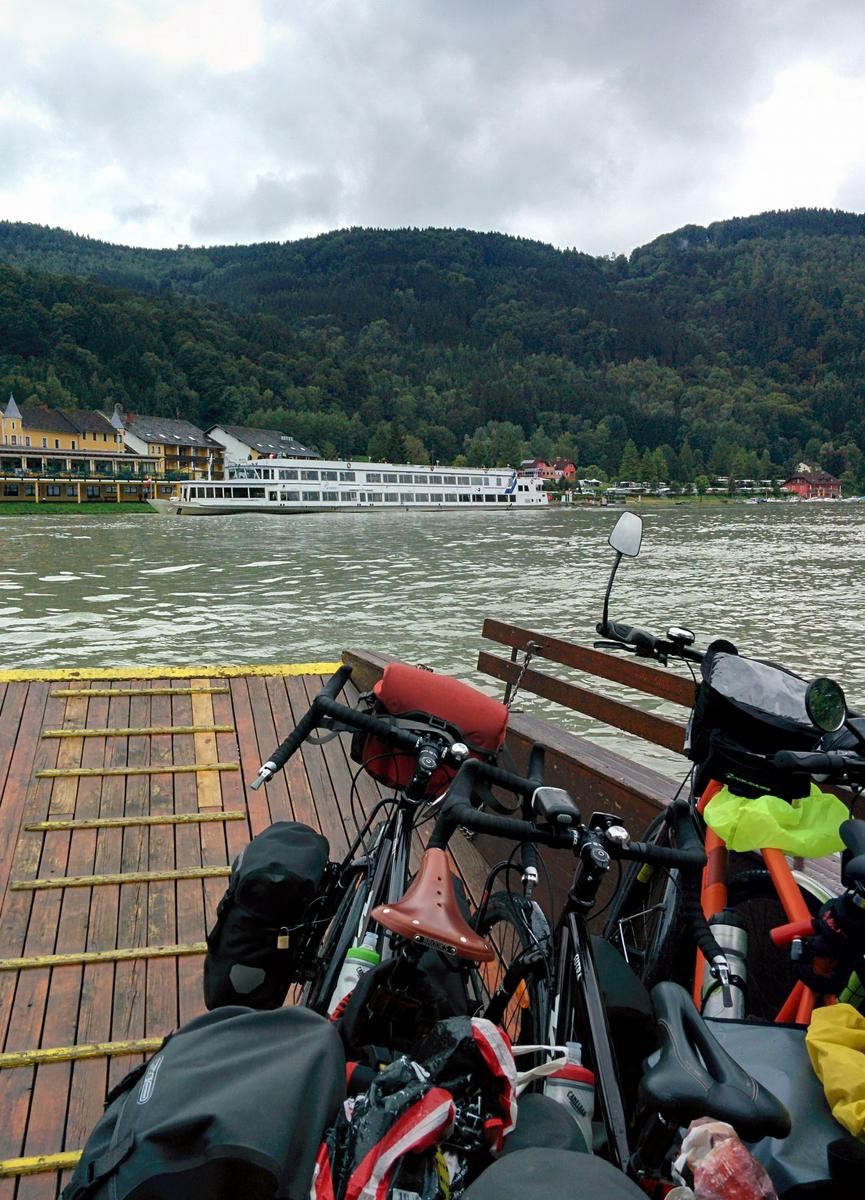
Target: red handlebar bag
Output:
[{"x": 427, "y": 703}]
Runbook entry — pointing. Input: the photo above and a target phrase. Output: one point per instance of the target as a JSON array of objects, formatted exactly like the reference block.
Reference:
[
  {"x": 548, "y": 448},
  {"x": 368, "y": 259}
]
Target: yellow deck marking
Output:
[
  {"x": 65, "y": 881},
  {"x": 142, "y": 691},
  {"x": 97, "y": 956},
  {"x": 58, "y": 1054},
  {"x": 153, "y": 769},
  {"x": 208, "y": 787},
  {"x": 12, "y": 1167},
  {"x": 73, "y": 673},
  {"x": 123, "y": 822},
  {"x": 145, "y": 731}
]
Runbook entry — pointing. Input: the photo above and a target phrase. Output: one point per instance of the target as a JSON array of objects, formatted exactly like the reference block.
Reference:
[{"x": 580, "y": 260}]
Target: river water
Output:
[{"x": 782, "y": 581}]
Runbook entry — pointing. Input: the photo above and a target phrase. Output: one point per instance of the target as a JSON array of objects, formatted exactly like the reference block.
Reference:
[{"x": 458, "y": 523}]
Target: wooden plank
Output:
[
  {"x": 138, "y": 691},
  {"x": 619, "y": 668},
  {"x": 80, "y": 957},
  {"x": 82, "y": 881},
  {"x": 69, "y": 755},
  {"x": 660, "y": 730},
  {"x": 102, "y": 733},
  {"x": 167, "y": 769},
  {"x": 209, "y": 791},
  {"x": 11, "y": 713},
  {"x": 186, "y": 818},
  {"x": 289, "y": 794},
  {"x": 32, "y": 702},
  {"x": 327, "y": 803},
  {"x": 161, "y": 1012},
  {"x": 58, "y": 1054}
]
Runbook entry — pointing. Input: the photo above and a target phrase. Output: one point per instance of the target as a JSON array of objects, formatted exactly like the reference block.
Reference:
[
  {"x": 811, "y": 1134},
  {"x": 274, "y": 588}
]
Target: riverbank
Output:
[{"x": 100, "y": 508}]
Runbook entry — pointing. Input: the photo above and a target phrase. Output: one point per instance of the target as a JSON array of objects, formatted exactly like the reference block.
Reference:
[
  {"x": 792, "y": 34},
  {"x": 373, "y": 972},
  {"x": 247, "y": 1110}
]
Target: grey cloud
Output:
[{"x": 269, "y": 207}]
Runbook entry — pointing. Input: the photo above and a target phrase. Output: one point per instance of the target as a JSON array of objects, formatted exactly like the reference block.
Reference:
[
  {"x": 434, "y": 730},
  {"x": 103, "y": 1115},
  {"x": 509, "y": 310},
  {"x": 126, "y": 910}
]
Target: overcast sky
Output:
[{"x": 596, "y": 124}]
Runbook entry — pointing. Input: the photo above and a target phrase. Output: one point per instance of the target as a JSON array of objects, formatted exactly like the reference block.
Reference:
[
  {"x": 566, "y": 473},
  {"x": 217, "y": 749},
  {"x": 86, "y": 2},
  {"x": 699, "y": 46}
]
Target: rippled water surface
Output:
[{"x": 786, "y": 582}]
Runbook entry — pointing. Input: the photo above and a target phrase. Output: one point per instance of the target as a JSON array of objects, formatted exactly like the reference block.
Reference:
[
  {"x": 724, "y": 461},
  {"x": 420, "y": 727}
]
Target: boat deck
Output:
[{"x": 123, "y": 804}]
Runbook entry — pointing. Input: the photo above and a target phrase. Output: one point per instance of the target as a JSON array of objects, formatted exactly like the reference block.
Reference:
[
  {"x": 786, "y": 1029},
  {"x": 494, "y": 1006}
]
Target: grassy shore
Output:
[{"x": 20, "y": 508}]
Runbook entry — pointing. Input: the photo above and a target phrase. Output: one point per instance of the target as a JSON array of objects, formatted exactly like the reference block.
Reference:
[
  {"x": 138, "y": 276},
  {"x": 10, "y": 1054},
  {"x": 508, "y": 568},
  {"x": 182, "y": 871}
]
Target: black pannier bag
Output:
[
  {"x": 251, "y": 948},
  {"x": 234, "y": 1104},
  {"x": 746, "y": 710}
]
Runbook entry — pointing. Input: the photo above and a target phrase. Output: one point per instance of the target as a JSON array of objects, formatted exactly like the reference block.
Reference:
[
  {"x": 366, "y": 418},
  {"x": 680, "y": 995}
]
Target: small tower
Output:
[{"x": 11, "y": 424}]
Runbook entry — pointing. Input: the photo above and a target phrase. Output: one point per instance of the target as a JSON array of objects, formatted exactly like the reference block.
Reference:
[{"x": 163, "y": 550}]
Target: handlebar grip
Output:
[
  {"x": 631, "y": 635},
  {"x": 302, "y": 730},
  {"x": 853, "y": 836},
  {"x": 379, "y": 726},
  {"x": 337, "y": 682},
  {"x": 813, "y": 762},
  {"x": 535, "y": 773},
  {"x": 670, "y": 856}
]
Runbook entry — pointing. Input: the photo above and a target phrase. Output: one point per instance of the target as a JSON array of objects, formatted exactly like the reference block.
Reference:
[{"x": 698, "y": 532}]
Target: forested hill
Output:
[{"x": 734, "y": 347}]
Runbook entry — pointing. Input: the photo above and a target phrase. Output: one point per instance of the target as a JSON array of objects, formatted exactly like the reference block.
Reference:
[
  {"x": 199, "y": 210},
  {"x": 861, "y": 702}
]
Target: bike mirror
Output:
[
  {"x": 627, "y": 534},
  {"x": 825, "y": 704}
]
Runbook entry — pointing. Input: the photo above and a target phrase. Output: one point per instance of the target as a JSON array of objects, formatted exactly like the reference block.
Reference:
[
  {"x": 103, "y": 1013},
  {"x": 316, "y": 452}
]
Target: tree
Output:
[
  {"x": 701, "y": 484},
  {"x": 629, "y": 467}
]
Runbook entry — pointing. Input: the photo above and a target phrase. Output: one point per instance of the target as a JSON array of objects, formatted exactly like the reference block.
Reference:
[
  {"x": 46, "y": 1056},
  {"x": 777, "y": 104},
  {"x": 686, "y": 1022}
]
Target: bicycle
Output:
[
  {"x": 738, "y": 897},
  {"x": 376, "y": 868},
  {"x": 693, "y": 1076}
]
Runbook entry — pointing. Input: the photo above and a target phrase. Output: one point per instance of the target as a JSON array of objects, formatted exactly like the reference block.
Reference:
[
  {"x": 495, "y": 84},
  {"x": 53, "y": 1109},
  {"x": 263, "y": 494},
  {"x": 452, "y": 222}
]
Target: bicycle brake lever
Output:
[{"x": 613, "y": 646}]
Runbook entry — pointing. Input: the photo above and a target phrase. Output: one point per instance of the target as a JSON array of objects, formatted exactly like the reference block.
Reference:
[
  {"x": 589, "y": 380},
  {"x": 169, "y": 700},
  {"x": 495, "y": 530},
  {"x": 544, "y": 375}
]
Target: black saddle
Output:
[{"x": 694, "y": 1076}]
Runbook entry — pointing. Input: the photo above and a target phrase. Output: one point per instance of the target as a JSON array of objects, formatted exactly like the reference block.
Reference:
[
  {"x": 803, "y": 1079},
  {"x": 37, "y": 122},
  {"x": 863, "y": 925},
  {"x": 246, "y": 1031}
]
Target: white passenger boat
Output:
[{"x": 303, "y": 485}]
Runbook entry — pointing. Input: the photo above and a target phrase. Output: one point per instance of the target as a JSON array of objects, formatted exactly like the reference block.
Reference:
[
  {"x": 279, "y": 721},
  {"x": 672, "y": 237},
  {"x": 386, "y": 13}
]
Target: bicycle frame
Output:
[{"x": 713, "y": 897}]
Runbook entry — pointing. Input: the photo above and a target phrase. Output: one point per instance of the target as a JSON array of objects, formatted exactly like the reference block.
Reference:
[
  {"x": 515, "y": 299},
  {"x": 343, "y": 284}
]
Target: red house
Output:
[
  {"x": 814, "y": 485},
  {"x": 565, "y": 469}
]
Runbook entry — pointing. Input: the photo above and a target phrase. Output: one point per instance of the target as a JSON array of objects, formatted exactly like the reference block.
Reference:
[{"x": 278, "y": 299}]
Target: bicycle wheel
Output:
[
  {"x": 519, "y": 1001},
  {"x": 341, "y": 934},
  {"x": 644, "y": 922}
]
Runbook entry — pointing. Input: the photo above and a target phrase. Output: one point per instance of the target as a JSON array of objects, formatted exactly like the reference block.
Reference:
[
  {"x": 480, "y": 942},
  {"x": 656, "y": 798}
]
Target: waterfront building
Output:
[
  {"x": 242, "y": 443},
  {"x": 181, "y": 449}
]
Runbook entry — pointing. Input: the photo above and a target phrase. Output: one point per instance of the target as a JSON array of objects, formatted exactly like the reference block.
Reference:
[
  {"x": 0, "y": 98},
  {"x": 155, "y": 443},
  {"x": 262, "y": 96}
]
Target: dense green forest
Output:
[{"x": 731, "y": 349}]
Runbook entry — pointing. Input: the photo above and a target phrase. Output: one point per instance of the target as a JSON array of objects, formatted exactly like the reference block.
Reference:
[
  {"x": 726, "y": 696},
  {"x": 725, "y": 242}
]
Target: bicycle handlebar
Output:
[
  {"x": 326, "y": 705},
  {"x": 459, "y": 811},
  {"x": 837, "y": 764},
  {"x": 646, "y": 644}
]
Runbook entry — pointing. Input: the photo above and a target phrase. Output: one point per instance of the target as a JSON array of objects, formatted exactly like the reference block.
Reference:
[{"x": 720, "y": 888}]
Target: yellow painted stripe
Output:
[
  {"x": 144, "y": 731},
  {"x": 153, "y": 769},
  {"x": 124, "y": 822},
  {"x": 58, "y": 1054},
  {"x": 98, "y": 956},
  {"x": 12, "y": 1167},
  {"x": 142, "y": 691},
  {"x": 73, "y": 673},
  {"x": 70, "y": 881}
]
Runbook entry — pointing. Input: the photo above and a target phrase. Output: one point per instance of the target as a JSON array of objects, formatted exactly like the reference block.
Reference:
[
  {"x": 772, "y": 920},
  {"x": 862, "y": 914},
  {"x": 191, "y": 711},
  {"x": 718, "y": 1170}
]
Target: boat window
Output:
[
  {"x": 330, "y": 495},
  {"x": 347, "y": 476},
  {"x": 477, "y": 481},
  {"x": 256, "y": 493},
  {"x": 406, "y": 479},
  {"x": 273, "y": 495},
  {"x": 490, "y": 499},
  {"x": 330, "y": 474},
  {"x": 311, "y": 495},
  {"x": 503, "y": 499},
  {"x": 389, "y": 478},
  {"x": 374, "y": 497},
  {"x": 406, "y": 497},
  {"x": 465, "y": 498},
  {"x": 477, "y": 499},
  {"x": 349, "y": 496},
  {"x": 290, "y": 495},
  {"x": 286, "y": 474},
  {"x": 451, "y": 498},
  {"x": 436, "y": 479},
  {"x": 462, "y": 479},
  {"x": 512, "y": 498},
  {"x": 391, "y": 498},
  {"x": 373, "y": 476},
  {"x": 422, "y": 497},
  {"x": 309, "y": 474},
  {"x": 209, "y": 492},
  {"x": 266, "y": 473},
  {"x": 218, "y": 493}
]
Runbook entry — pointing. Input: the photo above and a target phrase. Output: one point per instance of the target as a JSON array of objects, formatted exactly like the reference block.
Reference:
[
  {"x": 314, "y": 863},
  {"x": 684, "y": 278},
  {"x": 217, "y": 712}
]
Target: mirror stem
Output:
[{"x": 603, "y": 632}]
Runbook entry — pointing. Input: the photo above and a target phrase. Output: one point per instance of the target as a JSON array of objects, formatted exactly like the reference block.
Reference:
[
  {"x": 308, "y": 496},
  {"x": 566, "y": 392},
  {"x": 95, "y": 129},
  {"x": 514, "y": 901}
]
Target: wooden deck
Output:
[{"x": 123, "y": 804}]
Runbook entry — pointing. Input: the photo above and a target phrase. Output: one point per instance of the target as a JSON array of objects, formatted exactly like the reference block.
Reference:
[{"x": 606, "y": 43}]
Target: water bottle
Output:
[
  {"x": 358, "y": 960},
  {"x": 731, "y": 935},
  {"x": 573, "y": 1086}
]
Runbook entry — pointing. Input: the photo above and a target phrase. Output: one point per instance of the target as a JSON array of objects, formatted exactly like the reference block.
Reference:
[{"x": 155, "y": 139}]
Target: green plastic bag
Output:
[{"x": 806, "y": 828}]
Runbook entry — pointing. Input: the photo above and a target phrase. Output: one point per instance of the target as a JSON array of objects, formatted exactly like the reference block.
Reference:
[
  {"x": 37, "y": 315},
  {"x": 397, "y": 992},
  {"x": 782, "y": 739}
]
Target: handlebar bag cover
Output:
[
  {"x": 234, "y": 1104},
  {"x": 430, "y": 703},
  {"x": 746, "y": 710},
  {"x": 252, "y": 947}
]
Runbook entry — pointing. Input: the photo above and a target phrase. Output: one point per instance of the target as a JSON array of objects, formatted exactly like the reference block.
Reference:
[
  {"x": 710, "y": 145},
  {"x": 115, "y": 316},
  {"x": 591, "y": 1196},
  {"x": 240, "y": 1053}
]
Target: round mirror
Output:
[
  {"x": 825, "y": 704},
  {"x": 627, "y": 534}
]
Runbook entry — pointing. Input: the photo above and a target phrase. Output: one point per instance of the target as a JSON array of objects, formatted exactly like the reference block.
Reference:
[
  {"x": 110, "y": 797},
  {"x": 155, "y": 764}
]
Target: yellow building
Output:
[{"x": 180, "y": 448}]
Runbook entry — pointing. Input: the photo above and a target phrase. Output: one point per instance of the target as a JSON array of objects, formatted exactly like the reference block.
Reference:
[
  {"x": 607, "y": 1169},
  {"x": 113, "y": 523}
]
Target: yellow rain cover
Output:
[
  {"x": 836, "y": 1044},
  {"x": 807, "y": 828}
]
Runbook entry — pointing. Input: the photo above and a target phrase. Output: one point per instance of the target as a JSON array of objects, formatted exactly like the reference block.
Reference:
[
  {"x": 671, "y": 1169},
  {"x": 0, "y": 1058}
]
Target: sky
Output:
[{"x": 592, "y": 124}]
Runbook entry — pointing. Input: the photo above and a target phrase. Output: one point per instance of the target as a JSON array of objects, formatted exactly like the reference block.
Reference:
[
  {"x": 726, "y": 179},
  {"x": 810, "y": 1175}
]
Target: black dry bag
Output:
[
  {"x": 233, "y": 1105},
  {"x": 250, "y": 950}
]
